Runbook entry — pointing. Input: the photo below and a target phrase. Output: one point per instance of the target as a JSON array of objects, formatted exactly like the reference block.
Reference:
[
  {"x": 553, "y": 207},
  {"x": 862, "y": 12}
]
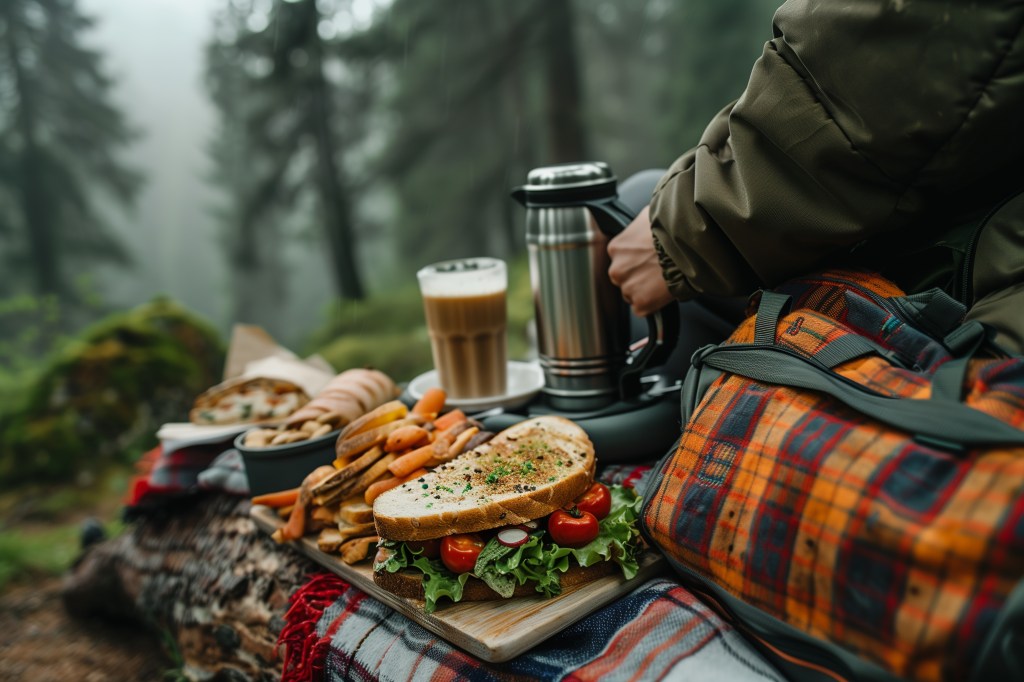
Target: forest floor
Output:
[
  {"x": 40, "y": 529},
  {"x": 40, "y": 641}
]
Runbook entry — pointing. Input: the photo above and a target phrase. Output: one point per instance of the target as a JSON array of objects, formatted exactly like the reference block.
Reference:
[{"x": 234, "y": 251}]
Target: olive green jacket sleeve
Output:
[{"x": 860, "y": 118}]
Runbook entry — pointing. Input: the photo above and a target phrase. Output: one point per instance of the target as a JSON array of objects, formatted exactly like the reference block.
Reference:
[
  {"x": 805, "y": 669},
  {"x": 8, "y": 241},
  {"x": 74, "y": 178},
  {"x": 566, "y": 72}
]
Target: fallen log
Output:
[{"x": 202, "y": 574}]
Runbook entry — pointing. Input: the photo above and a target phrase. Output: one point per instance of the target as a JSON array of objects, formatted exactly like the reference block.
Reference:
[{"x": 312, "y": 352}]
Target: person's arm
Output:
[
  {"x": 635, "y": 268},
  {"x": 858, "y": 118}
]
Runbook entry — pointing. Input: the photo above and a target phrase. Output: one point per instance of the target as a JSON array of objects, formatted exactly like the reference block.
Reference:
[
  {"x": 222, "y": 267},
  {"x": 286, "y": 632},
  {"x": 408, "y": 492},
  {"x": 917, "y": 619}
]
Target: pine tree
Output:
[
  {"x": 59, "y": 139},
  {"x": 293, "y": 130},
  {"x": 252, "y": 234},
  {"x": 483, "y": 90}
]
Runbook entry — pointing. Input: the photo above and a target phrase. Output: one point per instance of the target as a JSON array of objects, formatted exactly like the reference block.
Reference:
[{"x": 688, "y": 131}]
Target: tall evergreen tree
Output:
[
  {"x": 483, "y": 90},
  {"x": 252, "y": 239},
  {"x": 59, "y": 136},
  {"x": 658, "y": 71},
  {"x": 295, "y": 127}
]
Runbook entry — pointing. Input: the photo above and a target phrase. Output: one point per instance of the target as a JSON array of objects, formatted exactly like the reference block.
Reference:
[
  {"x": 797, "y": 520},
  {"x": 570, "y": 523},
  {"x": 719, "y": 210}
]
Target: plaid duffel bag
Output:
[{"x": 849, "y": 485}]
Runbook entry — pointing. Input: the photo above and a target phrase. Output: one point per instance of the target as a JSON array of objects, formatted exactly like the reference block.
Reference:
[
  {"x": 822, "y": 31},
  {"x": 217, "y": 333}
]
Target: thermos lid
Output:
[
  {"x": 565, "y": 175},
  {"x": 567, "y": 184}
]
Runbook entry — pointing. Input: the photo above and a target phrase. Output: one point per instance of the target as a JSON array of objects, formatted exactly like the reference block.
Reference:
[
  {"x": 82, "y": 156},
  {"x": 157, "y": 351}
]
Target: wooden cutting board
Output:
[{"x": 496, "y": 630}]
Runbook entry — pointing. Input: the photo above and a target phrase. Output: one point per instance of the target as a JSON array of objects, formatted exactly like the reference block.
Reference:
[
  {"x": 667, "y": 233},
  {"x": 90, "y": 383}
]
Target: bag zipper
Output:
[{"x": 880, "y": 301}]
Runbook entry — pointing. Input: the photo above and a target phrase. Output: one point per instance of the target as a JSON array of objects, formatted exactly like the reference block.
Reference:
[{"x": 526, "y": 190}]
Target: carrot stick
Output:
[
  {"x": 410, "y": 462},
  {"x": 431, "y": 402},
  {"x": 375, "y": 489},
  {"x": 449, "y": 419},
  {"x": 282, "y": 498},
  {"x": 296, "y": 526}
]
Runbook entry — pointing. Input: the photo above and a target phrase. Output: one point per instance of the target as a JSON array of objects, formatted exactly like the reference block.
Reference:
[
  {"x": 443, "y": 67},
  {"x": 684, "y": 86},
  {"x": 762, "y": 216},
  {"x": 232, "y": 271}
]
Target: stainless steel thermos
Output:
[{"x": 583, "y": 329}]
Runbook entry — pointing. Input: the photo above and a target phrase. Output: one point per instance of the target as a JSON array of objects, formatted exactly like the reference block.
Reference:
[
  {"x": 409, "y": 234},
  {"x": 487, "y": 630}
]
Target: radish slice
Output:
[
  {"x": 529, "y": 526},
  {"x": 513, "y": 537}
]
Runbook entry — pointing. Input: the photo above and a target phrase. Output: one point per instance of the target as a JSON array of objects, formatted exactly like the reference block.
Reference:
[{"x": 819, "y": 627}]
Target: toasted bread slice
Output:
[
  {"x": 525, "y": 472},
  {"x": 329, "y": 540},
  {"x": 409, "y": 583},
  {"x": 347, "y": 531},
  {"x": 355, "y": 511}
]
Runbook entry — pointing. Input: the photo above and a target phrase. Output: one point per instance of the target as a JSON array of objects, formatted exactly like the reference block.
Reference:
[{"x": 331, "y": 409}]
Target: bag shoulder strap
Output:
[{"x": 944, "y": 423}]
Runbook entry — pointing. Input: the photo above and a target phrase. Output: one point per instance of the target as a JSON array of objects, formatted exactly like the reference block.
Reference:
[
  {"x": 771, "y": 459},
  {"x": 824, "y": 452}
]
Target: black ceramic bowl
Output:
[{"x": 281, "y": 467}]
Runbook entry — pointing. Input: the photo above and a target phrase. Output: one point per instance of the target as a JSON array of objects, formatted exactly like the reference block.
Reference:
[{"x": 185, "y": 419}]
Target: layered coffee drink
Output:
[{"x": 465, "y": 308}]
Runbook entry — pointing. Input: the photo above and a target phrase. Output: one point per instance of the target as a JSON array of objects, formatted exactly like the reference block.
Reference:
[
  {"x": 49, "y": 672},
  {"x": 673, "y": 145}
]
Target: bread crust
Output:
[
  {"x": 525, "y": 472},
  {"x": 409, "y": 583}
]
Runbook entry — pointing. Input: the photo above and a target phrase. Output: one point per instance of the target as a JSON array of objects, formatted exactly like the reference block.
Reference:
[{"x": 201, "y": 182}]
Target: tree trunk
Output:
[
  {"x": 37, "y": 215},
  {"x": 566, "y": 134},
  {"x": 334, "y": 199},
  {"x": 202, "y": 574}
]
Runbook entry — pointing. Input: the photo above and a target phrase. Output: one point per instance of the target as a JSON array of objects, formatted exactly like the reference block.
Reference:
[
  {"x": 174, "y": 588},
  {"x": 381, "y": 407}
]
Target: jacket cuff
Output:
[{"x": 661, "y": 212}]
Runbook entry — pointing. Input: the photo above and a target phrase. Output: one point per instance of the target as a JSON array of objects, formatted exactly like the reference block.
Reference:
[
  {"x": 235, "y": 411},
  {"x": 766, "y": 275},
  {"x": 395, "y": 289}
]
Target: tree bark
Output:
[
  {"x": 566, "y": 133},
  {"x": 202, "y": 574},
  {"x": 37, "y": 215},
  {"x": 334, "y": 198}
]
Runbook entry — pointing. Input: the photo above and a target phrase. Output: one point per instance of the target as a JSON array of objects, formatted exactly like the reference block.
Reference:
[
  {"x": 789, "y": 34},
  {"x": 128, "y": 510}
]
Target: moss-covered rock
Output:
[{"x": 103, "y": 396}]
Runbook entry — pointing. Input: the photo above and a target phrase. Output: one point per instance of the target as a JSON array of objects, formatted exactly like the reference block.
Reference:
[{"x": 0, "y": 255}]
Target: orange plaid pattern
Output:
[{"x": 843, "y": 527}]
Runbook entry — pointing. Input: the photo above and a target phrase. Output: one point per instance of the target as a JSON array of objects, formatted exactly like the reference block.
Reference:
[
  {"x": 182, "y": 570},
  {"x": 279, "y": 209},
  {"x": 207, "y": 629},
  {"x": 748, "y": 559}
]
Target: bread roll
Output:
[{"x": 351, "y": 394}]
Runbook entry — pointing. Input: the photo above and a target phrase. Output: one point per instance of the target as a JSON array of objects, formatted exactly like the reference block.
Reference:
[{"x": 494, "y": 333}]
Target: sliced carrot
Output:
[
  {"x": 431, "y": 402},
  {"x": 296, "y": 525},
  {"x": 410, "y": 436},
  {"x": 374, "y": 491},
  {"x": 282, "y": 498},
  {"x": 450, "y": 419},
  {"x": 410, "y": 462}
]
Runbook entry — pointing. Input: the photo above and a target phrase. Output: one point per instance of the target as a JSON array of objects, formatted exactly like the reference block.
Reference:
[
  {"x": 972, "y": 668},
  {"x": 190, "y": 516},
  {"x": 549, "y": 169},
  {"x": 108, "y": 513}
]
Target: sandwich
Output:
[
  {"x": 518, "y": 515},
  {"x": 247, "y": 401}
]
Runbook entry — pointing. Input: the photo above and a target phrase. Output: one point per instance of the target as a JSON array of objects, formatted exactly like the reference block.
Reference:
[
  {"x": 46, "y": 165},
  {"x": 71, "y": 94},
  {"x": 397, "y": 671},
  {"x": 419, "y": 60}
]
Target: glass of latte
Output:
[{"x": 464, "y": 304}]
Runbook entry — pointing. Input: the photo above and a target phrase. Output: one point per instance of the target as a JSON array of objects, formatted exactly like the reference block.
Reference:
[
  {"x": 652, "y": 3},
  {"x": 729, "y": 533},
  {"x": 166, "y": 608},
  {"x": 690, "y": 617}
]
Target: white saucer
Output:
[{"x": 524, "y": 380}]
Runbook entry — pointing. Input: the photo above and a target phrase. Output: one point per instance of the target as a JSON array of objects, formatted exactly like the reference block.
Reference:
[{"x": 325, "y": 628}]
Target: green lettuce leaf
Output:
[
  {"x": 538, "y": 561},
  {"x": 618, "y": 539}
]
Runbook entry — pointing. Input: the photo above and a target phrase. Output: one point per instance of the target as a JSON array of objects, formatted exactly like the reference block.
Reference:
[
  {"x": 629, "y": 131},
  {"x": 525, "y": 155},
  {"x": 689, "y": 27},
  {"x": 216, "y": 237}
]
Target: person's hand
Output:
[{"x": 635, "y": 268}]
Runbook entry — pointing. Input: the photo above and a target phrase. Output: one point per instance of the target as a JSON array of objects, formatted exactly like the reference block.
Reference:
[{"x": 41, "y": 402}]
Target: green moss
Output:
[{"x": 102, "y": 396}]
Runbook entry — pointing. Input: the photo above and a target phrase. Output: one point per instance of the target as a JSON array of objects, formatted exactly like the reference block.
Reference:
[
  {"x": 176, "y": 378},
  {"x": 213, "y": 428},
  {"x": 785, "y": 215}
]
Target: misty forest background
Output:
[{"x": 345, "y": 144}]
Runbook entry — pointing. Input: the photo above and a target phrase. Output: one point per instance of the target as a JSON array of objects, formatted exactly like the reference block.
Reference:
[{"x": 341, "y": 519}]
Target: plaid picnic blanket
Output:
[
  {"x": 164, "y": 474},
  {"x": 658, "y": 631}
]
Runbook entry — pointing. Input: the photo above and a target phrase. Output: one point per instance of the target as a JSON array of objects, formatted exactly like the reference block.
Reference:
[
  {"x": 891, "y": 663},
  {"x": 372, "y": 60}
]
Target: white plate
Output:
[{"x": 524, "y": 380}]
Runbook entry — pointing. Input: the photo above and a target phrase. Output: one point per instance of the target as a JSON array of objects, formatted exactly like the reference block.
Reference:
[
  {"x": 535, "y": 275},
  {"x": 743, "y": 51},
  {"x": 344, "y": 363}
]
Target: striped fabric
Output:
[
  {"x": 659, "y": 631},
  {"x": 838, "y": 525}
]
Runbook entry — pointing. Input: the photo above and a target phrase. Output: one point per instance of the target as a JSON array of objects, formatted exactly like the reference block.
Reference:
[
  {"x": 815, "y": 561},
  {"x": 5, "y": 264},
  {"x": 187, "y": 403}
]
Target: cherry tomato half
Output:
[
  {"x": 459, "y": 552},
  {"x": 430, "y": 548},
  {"x": 597, "y": 501},
  {"x": 573, "y": 528}
]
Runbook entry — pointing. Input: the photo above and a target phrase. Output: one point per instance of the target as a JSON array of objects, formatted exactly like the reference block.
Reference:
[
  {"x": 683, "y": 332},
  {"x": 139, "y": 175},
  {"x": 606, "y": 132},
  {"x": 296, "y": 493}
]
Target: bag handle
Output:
[
  {"x": 942, "y": 422},
  {"x": 937, "y": 423},
  {"x": 964, "y": 341}
]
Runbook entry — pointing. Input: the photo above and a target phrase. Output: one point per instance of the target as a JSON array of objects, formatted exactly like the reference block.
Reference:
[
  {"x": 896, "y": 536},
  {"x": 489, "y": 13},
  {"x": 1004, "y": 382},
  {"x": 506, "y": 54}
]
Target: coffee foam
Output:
[{"x": 459, "y": 277}]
